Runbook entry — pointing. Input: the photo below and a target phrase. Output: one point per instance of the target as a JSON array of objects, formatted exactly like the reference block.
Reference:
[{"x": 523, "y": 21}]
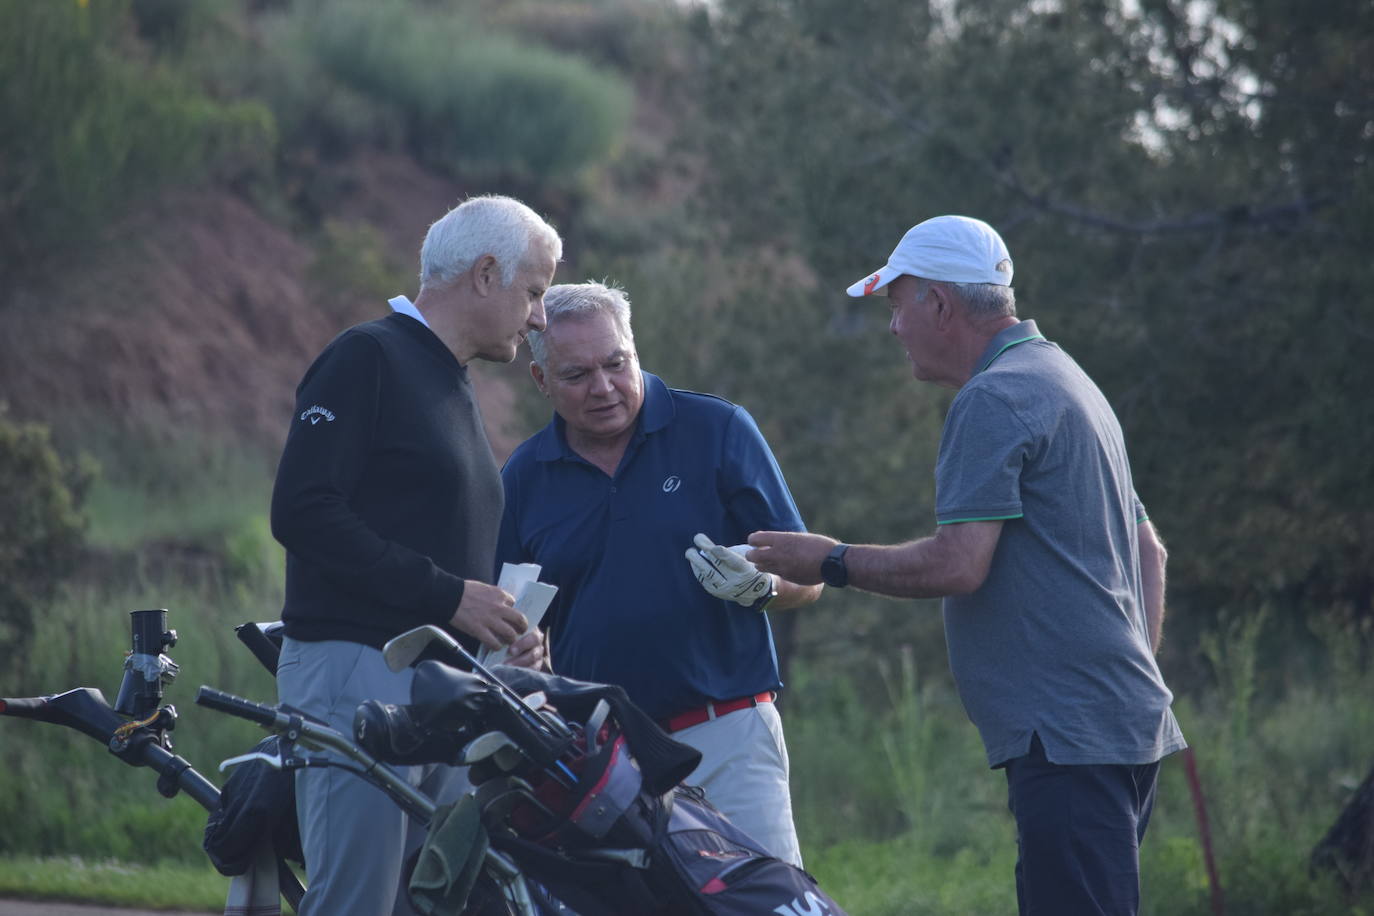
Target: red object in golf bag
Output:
[{"x": 607, "y": 828}]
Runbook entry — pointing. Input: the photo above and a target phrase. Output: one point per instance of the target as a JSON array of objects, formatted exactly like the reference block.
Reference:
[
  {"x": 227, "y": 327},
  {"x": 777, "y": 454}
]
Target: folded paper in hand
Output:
[{"x": 532, "y": 599}]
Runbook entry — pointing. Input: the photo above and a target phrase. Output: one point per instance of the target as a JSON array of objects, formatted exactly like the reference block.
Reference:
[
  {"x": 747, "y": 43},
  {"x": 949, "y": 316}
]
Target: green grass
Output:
[
  {"x": 896, "y": 808},
  {"x": 163, "y": 886},
  {"x": 899, "y": 814},
  {"x": 156, "y": 488},
  {"x": 79, "y": 799},
  {"x": 902, "y": 878}
]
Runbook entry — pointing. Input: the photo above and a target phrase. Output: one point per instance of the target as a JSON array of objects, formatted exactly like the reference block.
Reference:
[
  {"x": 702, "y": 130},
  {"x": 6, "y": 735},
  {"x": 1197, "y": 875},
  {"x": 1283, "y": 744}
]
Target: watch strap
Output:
[
  {"x": 767, "y": 597},
  {"x": 834, "y": 572}
]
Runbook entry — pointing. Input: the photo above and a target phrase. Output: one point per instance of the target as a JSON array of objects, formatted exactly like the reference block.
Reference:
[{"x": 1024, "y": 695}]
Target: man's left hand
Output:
[{"x": 726, "y": 574}]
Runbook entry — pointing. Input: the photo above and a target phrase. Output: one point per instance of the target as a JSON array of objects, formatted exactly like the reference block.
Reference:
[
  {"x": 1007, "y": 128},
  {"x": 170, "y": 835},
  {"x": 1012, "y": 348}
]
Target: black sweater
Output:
[{"x": 387, "y": 496}]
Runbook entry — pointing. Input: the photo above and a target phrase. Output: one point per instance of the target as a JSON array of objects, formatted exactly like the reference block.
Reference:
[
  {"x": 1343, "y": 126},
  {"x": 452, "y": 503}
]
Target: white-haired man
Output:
[
  {"x": 387, "y": 500},
  {"x": 627, "y": 477},
  {"x": 1052, "y": 575}
]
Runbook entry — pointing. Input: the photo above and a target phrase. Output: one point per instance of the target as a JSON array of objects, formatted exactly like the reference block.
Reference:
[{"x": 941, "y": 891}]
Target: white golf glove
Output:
[{"x": 726, "y": 574}]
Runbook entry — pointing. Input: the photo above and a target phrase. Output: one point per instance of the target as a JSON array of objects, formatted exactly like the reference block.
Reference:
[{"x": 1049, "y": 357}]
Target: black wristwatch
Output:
[{"x": 833, "y": 571}]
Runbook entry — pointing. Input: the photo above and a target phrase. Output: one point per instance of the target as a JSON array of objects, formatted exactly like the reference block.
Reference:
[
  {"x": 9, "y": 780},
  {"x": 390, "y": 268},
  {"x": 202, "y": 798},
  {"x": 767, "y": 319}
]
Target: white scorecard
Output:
[{"x": 532, "y": 599}]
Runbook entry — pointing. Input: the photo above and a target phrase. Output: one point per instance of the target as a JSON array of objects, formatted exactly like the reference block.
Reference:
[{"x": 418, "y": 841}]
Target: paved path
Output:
[{"x": 46, "y": 908}]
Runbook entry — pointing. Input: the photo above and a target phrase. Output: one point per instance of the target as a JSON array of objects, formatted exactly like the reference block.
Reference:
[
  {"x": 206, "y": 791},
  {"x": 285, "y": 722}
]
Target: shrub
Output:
[
  {"x": 40, "y": 501},
  {"x": 95, "y": 122},
  {"x": 352, "y": 263},
  {"x": 473, "y": 102},
  {"x": 317, "y": 116}
]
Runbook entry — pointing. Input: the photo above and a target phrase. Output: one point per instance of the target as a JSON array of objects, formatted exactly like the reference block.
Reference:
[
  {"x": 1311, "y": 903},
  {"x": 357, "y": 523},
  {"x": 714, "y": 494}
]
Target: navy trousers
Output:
[{"x": 1078, "y": 833}]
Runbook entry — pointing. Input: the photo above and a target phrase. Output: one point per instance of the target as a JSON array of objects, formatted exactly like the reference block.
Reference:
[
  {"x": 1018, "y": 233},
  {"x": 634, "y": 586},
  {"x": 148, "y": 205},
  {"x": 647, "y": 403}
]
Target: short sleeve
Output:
[
  {"x": 983, "y": 449},
  {"x": 751, "y": 482}
]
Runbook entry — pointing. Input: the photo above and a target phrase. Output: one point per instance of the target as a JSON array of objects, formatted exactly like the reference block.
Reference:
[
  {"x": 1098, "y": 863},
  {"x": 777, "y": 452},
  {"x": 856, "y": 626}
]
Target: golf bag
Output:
[
  {"x": 591, "y": 807},
  {"x": 256, "y": 800}
]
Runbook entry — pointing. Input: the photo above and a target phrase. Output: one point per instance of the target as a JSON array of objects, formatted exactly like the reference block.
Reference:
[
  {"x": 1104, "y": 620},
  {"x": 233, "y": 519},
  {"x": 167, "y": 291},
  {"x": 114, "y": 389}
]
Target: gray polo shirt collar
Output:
[{"x": 1007, "y": 338}]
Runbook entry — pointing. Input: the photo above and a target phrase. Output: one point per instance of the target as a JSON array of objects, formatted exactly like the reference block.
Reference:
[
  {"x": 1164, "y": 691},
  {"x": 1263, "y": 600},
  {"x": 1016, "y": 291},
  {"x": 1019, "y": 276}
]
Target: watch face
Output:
[{"x": 833, "y": 570}]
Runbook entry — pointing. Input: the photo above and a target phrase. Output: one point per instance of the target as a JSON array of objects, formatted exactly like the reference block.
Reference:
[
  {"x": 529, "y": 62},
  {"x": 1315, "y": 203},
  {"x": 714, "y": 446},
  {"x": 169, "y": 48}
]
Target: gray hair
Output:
[
  {"x": 984, "y": 301},
  {"x": 580, "y": 300},
  {"x": 502, "y": 227}
]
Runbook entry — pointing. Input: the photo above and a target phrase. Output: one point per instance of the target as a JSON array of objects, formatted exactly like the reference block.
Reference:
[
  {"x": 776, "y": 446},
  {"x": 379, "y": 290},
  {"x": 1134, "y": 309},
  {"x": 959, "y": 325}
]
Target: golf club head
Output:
[
  {"x": 485, "y": 746},
  {"x": 400, "y": 651},
  {"x": 404, "y": 649}
]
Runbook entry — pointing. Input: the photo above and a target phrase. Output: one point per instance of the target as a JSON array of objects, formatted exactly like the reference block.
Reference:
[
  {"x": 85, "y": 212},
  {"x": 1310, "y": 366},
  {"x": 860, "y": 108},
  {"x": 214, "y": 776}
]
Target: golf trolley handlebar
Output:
[
  {"x": 218, "y": 700},
  {"x": 295, "y": 726},
  {"x": 86, "y": 710}
]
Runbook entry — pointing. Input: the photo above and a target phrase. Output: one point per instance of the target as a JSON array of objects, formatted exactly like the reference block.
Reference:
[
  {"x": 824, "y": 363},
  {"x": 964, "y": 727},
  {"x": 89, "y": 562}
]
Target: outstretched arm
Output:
[{"x": 953, "y": 561}]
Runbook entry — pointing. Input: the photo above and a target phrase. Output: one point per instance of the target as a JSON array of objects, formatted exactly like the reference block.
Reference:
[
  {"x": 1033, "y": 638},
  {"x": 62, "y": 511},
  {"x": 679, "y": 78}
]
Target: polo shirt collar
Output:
[
  {"x": 656, "y": 412},
  {"x": 1019, "y": 333},
  {"x": 658, "y": 407},
  {"x": 403, "y": 305}
]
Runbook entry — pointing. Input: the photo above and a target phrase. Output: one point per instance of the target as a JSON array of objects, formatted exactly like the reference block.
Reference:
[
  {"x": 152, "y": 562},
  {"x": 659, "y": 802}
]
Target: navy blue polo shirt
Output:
[{"x": 629, "y": 611}]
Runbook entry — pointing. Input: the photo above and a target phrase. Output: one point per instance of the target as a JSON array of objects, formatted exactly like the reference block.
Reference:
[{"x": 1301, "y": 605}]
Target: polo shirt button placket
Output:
[{"x": 620, "y": 509}]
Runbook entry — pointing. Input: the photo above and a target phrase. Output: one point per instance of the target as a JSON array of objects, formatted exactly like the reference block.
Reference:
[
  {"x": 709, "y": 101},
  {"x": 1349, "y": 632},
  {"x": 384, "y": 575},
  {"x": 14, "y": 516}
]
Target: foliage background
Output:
[{"x": 196, "y": 194}]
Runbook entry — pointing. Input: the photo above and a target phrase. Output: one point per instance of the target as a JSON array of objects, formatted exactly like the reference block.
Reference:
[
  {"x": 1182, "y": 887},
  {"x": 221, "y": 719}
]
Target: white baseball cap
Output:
[{"x": 956, "y": 249}]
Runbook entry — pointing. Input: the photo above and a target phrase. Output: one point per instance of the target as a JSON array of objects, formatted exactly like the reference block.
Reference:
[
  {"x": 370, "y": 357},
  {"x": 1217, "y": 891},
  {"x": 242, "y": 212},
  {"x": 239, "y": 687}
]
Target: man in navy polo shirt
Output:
[
  {"x": 1052, "y": 575},
  {"x": 606, "y": 498}
]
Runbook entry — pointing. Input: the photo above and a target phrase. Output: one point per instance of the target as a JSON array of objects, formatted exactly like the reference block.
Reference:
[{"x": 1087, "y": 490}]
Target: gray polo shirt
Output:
[{"x": 1055, "y": 642}]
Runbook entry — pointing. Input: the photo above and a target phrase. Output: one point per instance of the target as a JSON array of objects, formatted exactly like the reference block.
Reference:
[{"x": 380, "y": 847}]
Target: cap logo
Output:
[{"x": 870, "y": 283}]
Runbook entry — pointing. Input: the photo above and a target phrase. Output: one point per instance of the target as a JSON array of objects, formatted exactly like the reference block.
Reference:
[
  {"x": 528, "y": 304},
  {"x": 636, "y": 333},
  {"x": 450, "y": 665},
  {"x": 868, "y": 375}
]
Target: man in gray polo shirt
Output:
[{"x": 1052, "y": 575}]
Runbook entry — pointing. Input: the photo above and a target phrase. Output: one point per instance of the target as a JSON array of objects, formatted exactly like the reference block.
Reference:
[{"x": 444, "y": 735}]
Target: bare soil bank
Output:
[{"x": 198, "y": 312}]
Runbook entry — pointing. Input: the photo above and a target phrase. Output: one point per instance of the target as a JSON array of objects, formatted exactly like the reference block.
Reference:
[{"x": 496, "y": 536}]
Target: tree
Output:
[
  {"x": 40, "y": 500},
  {"x": 1187, "y": 194}
]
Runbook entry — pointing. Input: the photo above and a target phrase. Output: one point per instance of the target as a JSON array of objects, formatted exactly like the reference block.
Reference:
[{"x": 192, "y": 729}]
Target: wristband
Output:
[{"x": 767, "y": 597}]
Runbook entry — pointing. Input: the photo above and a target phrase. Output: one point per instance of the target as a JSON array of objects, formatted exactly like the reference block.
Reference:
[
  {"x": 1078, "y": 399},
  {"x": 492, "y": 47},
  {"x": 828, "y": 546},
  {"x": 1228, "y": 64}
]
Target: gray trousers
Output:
[
  {"x": 744, "y": 770},
  {"x": 355, "y": 838}
]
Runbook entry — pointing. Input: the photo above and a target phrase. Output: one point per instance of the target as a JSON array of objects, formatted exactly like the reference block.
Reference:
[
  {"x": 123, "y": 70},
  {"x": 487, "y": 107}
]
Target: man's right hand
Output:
[
  {"x": 794, "y": 555},
  {"x": 488, "y": 613}
]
